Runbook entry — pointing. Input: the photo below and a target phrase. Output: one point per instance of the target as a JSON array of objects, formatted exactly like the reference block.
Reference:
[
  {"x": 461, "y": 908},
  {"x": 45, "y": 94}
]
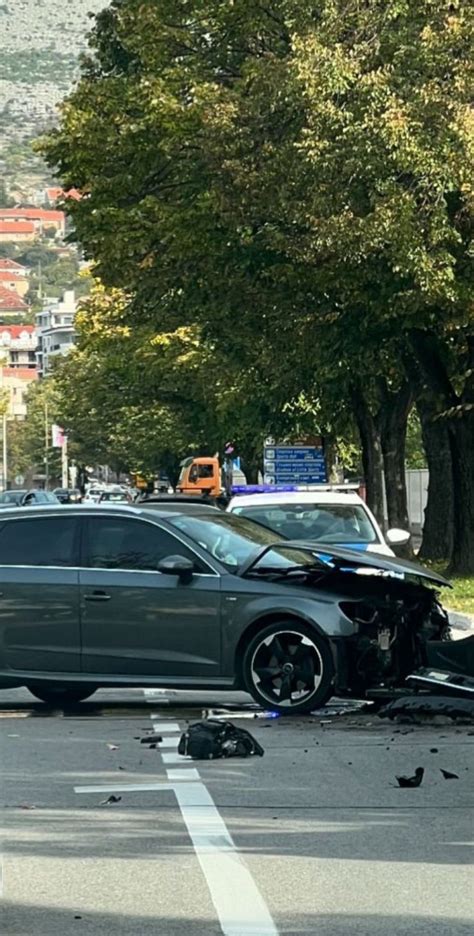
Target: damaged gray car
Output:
[{"x": 126, "y": 596}]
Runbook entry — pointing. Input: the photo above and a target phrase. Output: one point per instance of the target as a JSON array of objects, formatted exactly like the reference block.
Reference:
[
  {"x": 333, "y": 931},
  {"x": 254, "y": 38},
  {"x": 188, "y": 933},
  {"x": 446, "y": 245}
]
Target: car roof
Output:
[
  {"x": 178, "y": 508},
  {"x": 120, "y": 509},
  {"x": 296, "y": 497}
]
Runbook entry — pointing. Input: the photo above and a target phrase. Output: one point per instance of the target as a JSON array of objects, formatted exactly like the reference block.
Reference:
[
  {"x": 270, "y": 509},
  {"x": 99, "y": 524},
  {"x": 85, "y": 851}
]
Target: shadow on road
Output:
[{"x": 43, "y": 921}]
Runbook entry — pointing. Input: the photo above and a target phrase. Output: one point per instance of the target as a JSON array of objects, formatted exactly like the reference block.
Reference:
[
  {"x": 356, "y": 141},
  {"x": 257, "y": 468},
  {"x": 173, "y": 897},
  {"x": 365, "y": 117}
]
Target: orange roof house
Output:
[
  {"x": 40, "y": 217},
  {"x": 54, "y": 193},
  {"x": 11, "y": 266},
  {"x": 11, "y": 230},
  {"x": 17, "y": 283},
  {"x": 10, "y": 302}
]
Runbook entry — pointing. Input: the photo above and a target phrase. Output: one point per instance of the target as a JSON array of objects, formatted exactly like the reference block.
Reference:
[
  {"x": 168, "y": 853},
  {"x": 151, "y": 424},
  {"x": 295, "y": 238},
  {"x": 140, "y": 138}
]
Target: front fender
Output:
[{"x": 242, "y": 615}]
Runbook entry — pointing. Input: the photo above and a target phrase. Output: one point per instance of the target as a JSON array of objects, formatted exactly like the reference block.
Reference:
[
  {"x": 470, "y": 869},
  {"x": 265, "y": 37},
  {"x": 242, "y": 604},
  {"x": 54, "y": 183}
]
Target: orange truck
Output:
[{"x": 200, "y": 476}]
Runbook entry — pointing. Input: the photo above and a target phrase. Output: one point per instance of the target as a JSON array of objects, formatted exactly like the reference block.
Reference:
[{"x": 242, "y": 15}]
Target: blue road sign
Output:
[{"x": 294, "y": 464}]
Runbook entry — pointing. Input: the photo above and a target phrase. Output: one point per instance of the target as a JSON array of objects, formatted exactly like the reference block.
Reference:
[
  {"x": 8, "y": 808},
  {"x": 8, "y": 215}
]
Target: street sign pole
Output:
[
  {"x": 46, "y": 446},
  {"x": 64, "y": 465},
  {"x": 5, "y": 452}
]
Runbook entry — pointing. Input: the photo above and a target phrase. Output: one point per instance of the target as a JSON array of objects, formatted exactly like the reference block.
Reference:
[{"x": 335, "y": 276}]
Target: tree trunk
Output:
[
  {"x": 461, "y": 436},
  {"x": 372, "y": 462},
  {"x": 394, "y": 417},
  {"x": 459, "y": 420},
  {"x": 251, "y": 468},
  {"x": 437, "y": 540}
]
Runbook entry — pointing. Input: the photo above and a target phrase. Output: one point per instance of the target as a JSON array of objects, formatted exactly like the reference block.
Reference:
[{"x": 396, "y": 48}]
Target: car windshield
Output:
[
  {"x": 114, "y": 496},
  {"x": 231, "y": 540},
  {"x": 12, "y": 497},
  {"x": 328, "y": 523}
]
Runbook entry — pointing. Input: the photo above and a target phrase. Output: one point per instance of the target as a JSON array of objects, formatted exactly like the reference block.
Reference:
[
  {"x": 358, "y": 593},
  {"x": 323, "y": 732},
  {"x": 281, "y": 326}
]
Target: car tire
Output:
[
  {"x": 62, "y": 695},
  {"x": 288, "y": 668}
]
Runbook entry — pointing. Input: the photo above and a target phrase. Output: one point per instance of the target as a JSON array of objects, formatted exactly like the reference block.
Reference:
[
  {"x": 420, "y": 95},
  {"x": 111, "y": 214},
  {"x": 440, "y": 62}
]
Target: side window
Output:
[
  {"x": 42, "y": 541},
  {"x": 123, "y": 543}
]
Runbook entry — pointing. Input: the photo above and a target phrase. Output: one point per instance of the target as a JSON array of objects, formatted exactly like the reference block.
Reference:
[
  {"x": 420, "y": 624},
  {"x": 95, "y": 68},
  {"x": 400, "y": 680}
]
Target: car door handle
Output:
[{"x": 97, "y": 596}]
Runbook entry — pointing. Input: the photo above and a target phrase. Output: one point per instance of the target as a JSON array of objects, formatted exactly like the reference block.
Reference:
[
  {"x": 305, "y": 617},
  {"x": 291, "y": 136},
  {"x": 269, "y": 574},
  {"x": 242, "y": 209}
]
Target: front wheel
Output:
[
  {"x": 288, "y": 668},
  {"x": 62, "y": 695}
]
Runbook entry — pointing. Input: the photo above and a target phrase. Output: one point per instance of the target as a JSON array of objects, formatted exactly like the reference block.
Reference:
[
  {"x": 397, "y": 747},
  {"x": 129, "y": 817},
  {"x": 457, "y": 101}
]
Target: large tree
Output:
[{"x": 298, "y": 176}]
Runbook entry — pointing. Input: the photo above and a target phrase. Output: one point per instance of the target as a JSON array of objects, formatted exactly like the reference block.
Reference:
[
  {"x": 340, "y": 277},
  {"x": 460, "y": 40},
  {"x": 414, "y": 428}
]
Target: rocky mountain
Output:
[{"x": 39, "y": 48}]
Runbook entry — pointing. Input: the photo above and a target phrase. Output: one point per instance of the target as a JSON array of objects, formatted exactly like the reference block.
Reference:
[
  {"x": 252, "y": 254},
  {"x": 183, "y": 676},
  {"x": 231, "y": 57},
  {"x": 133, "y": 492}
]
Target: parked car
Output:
[
  {"x": 93, "y": 495},
  {"x": 27, "y": 498},
  {"x": 68, "y": 495},
  {"x": 12, "y": 498},
  {"x": 320, "y": 516},
  {"x": 114, "y": 497},
  {"x": 130, "y": 596}
]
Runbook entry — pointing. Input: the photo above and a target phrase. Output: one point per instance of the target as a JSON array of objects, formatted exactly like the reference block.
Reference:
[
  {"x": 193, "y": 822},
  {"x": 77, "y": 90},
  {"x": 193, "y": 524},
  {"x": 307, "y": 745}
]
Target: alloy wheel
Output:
[{"x": 287, "y": 668}]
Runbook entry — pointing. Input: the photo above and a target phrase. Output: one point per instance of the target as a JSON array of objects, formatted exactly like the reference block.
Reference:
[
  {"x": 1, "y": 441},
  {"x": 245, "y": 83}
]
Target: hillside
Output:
[{"x": 41, "y": 42}]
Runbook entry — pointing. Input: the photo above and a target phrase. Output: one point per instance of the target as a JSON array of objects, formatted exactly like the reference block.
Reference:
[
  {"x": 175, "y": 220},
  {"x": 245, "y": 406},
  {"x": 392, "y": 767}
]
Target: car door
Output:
[
  {"x": 39, "y": 594},
  {"x": 136, "y": 620}
]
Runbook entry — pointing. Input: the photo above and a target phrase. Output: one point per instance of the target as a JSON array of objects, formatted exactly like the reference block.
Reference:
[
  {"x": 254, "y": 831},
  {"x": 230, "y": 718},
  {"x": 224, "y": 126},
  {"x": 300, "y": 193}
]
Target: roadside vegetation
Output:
[
  {"x": 461, "y": 596},
  {"x": 279, "y": 209}
]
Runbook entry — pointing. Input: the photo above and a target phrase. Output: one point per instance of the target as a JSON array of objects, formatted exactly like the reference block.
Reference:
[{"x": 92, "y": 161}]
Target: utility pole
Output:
[
  {"x": 5, "y": 453},
  {"x": 64, "y": 464},
  {"x": 46, "y": 446},
  {"x": 4, "y": 405}
]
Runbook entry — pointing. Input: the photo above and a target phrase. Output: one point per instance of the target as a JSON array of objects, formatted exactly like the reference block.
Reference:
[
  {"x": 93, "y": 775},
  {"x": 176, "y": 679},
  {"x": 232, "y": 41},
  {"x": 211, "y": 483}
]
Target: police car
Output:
[{"x": 329, "y": 516}]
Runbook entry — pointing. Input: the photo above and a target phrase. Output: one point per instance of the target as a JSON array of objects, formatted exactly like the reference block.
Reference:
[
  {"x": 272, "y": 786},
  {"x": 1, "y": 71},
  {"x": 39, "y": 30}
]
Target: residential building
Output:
[
  {"x": 51, "y": 195},
  {"x": 15, "y": 382},
  {"x": 55, "y": 330},
  {"x": 41, "y": 218},
  {"x": 12, "y": 231},
  {"x": 17, "y": 283},
  {"x": 11, "y": 304},
  {"x": 12, "y": 267},
  {"x": 18, "y": 345}
]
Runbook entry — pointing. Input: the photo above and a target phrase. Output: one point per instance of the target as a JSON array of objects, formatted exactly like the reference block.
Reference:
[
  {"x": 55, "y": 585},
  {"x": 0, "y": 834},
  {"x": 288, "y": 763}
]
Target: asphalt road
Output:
[{"x": 313, "y": 838}]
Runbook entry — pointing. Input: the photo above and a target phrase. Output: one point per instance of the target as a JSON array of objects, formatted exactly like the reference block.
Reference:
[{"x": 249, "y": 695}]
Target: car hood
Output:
[{"x": 342, "y": 559}]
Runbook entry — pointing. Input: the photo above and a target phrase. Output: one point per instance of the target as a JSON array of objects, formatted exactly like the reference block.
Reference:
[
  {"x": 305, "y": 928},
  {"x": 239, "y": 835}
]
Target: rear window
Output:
[{"x": 42, "y": 541}]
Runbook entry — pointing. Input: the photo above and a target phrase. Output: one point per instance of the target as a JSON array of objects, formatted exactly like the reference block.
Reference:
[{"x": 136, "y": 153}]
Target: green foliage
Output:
[
  {"x": 461, "y": 596},
  {"x": 294, "y": 186},
  {"x": 27, "y": 443},
  {"x": 415, "y": 453},
  {"x": 6, "y": 201}
]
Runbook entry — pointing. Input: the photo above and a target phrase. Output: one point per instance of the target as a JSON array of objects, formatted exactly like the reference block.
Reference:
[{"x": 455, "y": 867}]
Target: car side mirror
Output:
[
  {"x": 177, "y": 565},
  {"x": 396, "y": 537}
]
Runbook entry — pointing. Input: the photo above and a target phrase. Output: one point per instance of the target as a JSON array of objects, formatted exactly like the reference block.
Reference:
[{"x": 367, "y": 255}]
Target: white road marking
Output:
[
  {"x": 163, "y": 726},
  {"x": 124, "y": 787},
  {"x": 189, "y": 773},
  {"x": 170, "y": 742},
  {"x": 176, "y": 759},
  {"x": 239, "y": 904}
]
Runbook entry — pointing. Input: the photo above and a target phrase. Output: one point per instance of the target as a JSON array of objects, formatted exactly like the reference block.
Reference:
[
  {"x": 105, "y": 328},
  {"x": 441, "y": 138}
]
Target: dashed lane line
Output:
[{"x": 239, "y": 905}]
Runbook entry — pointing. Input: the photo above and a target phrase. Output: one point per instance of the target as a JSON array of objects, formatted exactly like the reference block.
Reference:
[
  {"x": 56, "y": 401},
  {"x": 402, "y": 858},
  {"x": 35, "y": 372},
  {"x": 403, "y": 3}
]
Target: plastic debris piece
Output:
[
  {"x": 414, "y": 781},
  {"x": 424, "y": 707}
]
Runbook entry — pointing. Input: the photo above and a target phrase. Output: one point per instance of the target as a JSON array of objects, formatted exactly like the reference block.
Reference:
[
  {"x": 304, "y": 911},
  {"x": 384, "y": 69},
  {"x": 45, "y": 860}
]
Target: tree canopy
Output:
[{"x": 292, "y": 183}]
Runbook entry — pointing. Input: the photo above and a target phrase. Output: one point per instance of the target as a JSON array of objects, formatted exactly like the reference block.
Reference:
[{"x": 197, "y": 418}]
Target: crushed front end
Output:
[{"x": 395, "y": 622}]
